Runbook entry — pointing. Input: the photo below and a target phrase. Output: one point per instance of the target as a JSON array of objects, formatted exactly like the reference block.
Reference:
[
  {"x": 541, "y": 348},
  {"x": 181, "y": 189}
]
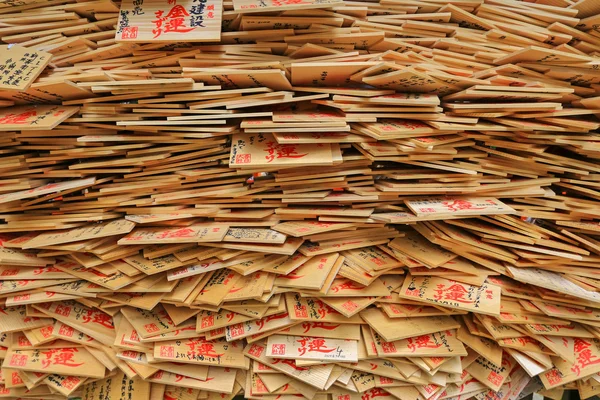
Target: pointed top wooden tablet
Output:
[{"x": 169, "y": 20}]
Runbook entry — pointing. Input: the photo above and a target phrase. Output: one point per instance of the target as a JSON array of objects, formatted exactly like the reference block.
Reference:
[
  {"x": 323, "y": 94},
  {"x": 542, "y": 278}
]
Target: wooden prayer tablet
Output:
[
  {"x": 191, "y": 234},
  {"x": 254, "y": 235},
  {"x": 112, "y": 228},
  {"x": 20, "y": 66},
  {"x": 397, "y": 99},
  {"x": 422, "y": 250},
  {"x": 262, "y": 150},
  {"x": 46, "y": 189},
  {"x": 325, "y": 137},
  {"x": 252, "y": 6},
  {"x": 238, "y": 79},
  {"x": 458, "y": 206},
  {"x": 34, "y": 117},
  {"x": 79, "y": 357},
  {"x": 391, "y": 331},
  {"x": 303, "y": 348},
  {"x": 484, "y": 298},
  {"x": 163, "y": 21}
]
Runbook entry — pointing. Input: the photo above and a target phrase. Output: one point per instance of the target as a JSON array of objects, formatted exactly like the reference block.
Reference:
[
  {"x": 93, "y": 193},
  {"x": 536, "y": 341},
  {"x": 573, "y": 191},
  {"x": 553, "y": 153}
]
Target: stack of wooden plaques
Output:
[{"x": 288, "y": 199}]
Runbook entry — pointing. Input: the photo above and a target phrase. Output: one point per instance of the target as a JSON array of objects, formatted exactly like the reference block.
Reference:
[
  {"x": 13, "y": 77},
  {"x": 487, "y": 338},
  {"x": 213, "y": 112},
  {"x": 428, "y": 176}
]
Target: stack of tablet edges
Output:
[{"x": 288, "y": 199}]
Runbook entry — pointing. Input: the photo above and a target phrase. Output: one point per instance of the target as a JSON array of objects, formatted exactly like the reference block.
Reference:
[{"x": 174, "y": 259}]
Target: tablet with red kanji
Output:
[{"x": 169, "y": 20}]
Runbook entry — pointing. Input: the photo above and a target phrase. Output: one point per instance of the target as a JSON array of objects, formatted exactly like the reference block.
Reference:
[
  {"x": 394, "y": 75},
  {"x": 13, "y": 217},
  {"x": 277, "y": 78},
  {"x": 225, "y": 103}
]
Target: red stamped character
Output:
[
  {"x": 63, "y": 310},
  {"x": 18, "y": 360},
  {"x": 495, "y": 378},
  {"x": 430, "y": 388},
  {"x": 70, "y": 382},
  {"x": 46, "y": 331},
  {"x": 349, "y": 305},
  {"x": 243, "y": 158},
  {"x": 207, "y": 322},
  {"x": 134, "y": 337},
  {"x": 151, "y": 328},
  {"x": 130, "y": 354},
  {"x": 437, "y": 360},
  {"x": 278, "y": 349},
  {"x": 66, "y": 330},
  {"x": 260, "y": 387},
  {"x": 236, "y": 330},
  {"x": 24, "y": 342},
  {"x": 129, "y": 32},
  {"x": 300, "y": 311},
  {"x": 388, "y": 347},
  {"x": 554, "y": 377},
  {"x": 16, "y": 379},
  {"x": 21, "y": 297},
  {"x": 167, "y": 351},
  {"x": 256, "y": 350},
  {"x": 158, "y": 375}
]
